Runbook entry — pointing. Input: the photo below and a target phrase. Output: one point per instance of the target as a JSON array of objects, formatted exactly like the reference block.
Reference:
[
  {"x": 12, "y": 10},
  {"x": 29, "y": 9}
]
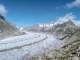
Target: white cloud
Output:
[
  {"x": 67, "y": 17},
  {"x": 76, "y": 3},
  {"x": 3, "y": 10}
]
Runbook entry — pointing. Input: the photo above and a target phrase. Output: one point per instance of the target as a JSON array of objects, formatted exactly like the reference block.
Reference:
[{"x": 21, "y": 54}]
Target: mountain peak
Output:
[{"x": 70, "y": 22}]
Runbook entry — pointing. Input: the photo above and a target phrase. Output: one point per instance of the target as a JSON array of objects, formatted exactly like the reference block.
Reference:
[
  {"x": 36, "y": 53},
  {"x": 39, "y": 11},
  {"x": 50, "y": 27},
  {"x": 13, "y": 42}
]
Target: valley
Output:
[{"x": 26, "y": 46}]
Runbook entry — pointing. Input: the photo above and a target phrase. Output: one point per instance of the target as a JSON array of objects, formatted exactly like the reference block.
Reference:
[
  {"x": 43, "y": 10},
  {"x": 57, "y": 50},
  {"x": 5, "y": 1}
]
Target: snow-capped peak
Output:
[
  {"x": 40, "y": 25},
  {"x": 46, "y": 25},
  {"x": 21, "y": 29}
]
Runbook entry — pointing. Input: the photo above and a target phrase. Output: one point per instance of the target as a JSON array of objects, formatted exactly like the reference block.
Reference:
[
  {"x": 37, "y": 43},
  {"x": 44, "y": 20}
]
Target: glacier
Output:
[{"x": 26, "y": 46}]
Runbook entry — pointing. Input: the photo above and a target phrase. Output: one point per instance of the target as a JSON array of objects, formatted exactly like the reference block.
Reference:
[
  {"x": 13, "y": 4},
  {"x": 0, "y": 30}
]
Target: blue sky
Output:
[{"x": 29, "y": 12}]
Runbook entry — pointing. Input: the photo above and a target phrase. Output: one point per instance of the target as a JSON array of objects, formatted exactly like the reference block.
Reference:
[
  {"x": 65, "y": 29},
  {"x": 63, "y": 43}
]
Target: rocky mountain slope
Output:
[
  {"x": 7, "y": 29},
  {"x": 69, "y": 33}
]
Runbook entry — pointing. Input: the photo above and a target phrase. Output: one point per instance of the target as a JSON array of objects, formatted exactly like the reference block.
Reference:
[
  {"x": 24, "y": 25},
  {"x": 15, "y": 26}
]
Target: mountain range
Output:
[
  {"x": 68, "y": 32},
  {"x": 54, "y": 28}
]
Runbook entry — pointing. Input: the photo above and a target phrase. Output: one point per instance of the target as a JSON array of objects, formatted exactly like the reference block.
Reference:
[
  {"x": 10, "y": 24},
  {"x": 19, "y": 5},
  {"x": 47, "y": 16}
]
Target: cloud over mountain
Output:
[{"x": 67, "y": 17}]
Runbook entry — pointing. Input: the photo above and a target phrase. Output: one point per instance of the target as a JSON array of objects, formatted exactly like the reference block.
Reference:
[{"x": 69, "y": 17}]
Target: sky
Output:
[{"x": 29, "y": 12}]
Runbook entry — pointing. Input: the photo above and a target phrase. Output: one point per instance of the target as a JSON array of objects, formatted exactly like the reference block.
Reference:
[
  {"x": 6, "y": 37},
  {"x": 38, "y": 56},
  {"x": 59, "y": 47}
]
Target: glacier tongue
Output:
[{"x": 26, "y": 46}]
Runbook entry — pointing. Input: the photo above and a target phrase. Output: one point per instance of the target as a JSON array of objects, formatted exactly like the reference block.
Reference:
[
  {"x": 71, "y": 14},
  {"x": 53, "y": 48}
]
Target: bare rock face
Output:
[{"x": 7, "y": 29}]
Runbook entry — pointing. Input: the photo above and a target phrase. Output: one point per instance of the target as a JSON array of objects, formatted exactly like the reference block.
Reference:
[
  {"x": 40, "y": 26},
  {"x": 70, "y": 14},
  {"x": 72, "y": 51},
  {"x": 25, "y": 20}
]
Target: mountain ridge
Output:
[
  {"x": 7, "y": 29},
  {"x": 69, "y": 33},
  {"x": 52, "y": 28}
]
